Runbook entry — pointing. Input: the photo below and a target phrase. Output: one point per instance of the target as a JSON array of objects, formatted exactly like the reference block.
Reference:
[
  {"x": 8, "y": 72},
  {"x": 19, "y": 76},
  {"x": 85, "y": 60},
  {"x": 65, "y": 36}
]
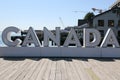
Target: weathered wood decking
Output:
[{"x": 59, "y": 69}]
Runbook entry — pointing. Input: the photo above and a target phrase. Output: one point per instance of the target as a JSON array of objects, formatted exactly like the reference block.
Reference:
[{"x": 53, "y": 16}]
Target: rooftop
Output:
[{"x": 117, "y": 3}]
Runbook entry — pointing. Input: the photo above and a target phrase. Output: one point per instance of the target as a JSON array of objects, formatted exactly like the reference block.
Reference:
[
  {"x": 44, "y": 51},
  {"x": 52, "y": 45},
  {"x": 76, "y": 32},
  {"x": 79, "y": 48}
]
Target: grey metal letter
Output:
[
  {"x": 87, "y": 37},
  {"x": 49, "y": 35},
  {"x": 6, "y": 36},
  {"x": 69, "y": 39},
  {"x": 110, "y": 39},
  {"x": 31, "y": 37}
]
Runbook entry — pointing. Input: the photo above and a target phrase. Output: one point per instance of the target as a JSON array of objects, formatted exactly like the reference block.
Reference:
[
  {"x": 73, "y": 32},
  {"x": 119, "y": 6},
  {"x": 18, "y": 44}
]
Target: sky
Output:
[{"x": 46, "y": 13}]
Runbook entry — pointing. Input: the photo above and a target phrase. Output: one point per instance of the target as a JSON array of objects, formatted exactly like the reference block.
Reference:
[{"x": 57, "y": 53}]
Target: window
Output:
[
  {"x": 119, "y": 23},
  {"x": 100, "y": 22},
  {"x": 110, "y": 23}
]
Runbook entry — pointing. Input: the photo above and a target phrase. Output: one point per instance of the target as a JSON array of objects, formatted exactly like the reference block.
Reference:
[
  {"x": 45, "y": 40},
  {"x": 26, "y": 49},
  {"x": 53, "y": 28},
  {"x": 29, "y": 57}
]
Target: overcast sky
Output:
[{"x": 46, "y": 13}]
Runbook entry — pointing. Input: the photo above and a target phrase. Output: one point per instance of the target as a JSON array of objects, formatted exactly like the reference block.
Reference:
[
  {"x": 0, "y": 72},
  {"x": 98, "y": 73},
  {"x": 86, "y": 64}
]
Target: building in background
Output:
[
  {"x": 103, "y": 21},
  {"x": 116, "y": 4},
  {"x": 106, "y": 20}
]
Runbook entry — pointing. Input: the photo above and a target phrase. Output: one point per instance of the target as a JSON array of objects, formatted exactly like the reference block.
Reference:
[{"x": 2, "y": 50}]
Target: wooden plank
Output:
[
  {"x": 30, "y": 72},
  {"x": 10, "y": 71},
  {"x": 110, "y": 68},
  {"x": 63, "y": 67},
  {"x": 6, "y": 68},
  {"x": 5, "y": 65},
  {"x": 59, "y": 69},
  {"x": 25, "y": 71},
  {"x": 58, "y": 75},
  {"x": 74, "y": 71},
  {"x": 97, "y": 71},
  {"x": 47, "y": 72},
  {"x": 103, "y": 74},
  {"x": 2, "y": 61},
  {"x": 42, "y": 71},
  {"x": 81, "y": 69},
  {"x": 24, "y": 65},
  {"x": 70, "y": 72},
  {"x": 37, "y": 70},
  {"x": 53, "y": 69},
  {"x": 90, "y": 70}
]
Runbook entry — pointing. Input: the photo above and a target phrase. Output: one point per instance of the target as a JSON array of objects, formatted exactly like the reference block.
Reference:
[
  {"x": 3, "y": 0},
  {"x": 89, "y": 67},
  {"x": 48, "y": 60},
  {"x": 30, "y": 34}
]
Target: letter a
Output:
[
  {"x": 69, "y": 39},
  {"x": 31, "y": 37},
  {"x": 110, "y": 39}
]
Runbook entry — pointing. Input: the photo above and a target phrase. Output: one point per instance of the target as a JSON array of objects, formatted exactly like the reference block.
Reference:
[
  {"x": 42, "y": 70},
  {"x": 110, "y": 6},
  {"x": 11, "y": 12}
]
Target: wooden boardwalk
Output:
[{"x": 59, "y": 69}]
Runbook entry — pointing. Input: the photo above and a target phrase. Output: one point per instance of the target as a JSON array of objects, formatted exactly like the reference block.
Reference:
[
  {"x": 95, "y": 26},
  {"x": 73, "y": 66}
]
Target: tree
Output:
[{"x": 89, "y": 16}]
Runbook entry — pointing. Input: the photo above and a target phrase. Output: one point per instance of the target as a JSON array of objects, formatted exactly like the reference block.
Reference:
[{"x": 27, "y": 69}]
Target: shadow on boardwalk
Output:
[{"x": 58, "y": 59}]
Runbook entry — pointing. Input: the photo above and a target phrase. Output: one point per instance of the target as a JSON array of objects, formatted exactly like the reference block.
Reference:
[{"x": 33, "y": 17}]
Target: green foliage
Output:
[{"x": 89, "y": 16}]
